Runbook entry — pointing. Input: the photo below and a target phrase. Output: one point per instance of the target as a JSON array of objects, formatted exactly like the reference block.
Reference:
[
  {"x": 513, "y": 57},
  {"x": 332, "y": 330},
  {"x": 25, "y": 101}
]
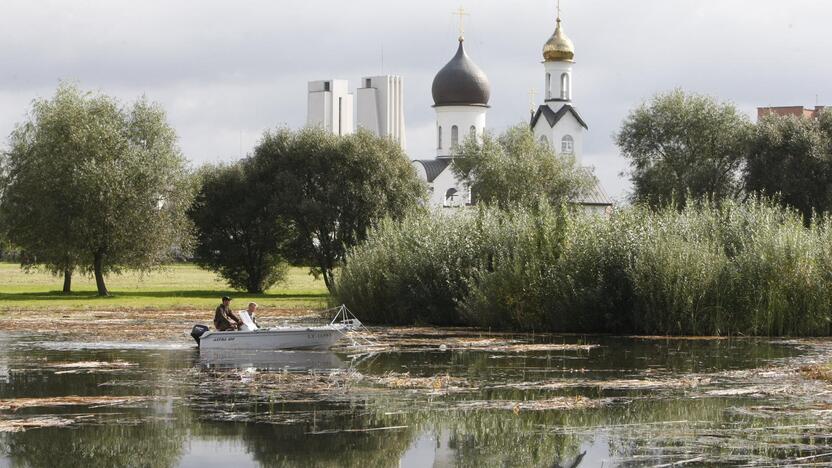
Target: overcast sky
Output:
[{"x": 227, "y": 71}]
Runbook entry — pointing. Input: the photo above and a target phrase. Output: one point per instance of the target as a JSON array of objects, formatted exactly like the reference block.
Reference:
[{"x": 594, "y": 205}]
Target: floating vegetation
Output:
[
  {"x": 93, "y": 365},
  {"x": 821, "y": 372},
  {"x": 19, "y": 425},
  {"x": 683, "y": 382},
  {"x": 90, "y": 366},
  {"x": 557, "y": 403},
  {"x": 15, "y": 404},
  {"x": 435, "y": 384}
]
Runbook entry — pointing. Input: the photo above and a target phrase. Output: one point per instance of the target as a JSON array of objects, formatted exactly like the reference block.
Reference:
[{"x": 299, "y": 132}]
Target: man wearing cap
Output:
[{"x": 224, "y": 318}]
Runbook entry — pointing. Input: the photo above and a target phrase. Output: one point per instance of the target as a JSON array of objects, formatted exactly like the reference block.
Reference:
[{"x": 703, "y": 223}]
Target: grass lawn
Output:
[{"x": 180, "y": 286}]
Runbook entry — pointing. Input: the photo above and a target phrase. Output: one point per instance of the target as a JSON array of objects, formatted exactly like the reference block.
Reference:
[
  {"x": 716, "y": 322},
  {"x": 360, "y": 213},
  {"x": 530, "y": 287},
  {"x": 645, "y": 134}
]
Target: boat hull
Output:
[{"x": 273, "y": 339}]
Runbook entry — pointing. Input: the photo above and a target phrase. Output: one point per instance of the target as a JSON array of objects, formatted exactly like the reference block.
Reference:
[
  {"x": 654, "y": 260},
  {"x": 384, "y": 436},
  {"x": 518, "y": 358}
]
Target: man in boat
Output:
[
  {"x": 251, "y": 311},
  {"x": 224, "y": 318}
]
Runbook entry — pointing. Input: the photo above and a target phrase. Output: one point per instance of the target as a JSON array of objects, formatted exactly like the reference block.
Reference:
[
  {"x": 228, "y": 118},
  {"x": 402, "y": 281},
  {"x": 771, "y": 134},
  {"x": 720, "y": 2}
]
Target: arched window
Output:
[
  {"x": 454, "y": 136},
  {"x": 473, "y": 131},
  {"x": 544, "y": 141},
  {"x": 564, "y": 86},
  {"x": 439, "y": 138},
  {"x": 450, "y": 197},
  {"x": 567, "y": 145},
  {"x": 548, "y": 86}
]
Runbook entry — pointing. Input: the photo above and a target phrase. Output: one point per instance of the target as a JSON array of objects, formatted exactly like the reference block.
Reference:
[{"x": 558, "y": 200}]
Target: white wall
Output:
[
  {"x": 555, "y": 70},
  {"x": 567, "y": 125},
  {"x": 380, "y": 107},
  {"x": 464, "y": 117},
  {"x": 331, "y": 110}
]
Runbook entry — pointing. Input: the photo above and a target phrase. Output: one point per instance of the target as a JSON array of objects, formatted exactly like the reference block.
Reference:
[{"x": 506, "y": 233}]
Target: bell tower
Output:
[{"x": 556, "y": 122}]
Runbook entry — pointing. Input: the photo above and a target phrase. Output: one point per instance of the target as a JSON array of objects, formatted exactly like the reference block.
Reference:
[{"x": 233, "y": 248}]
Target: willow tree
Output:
[
  {"x": 516, "y": 169},
  {"x": 93, "y": 185},
  {"x": 333, "y": 188},
  {"x": 237, "y": 235},
  {"x": 791, "y": 158},
  {"x": 684, "y": 145}
]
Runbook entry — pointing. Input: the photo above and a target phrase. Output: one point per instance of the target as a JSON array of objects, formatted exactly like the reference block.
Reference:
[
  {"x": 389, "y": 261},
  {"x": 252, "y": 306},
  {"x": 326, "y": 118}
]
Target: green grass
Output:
[{"x": 181, "y": 286}]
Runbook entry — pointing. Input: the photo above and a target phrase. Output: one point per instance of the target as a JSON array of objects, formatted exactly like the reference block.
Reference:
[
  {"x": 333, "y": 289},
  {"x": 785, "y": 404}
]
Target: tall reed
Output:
[{"x": 737, "y": 268}]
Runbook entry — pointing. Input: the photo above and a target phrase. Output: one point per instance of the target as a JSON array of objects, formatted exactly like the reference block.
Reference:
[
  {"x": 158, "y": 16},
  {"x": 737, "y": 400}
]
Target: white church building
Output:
[
  {"x": 460, "y": 99},
  {"x": 460, "y": 95}
]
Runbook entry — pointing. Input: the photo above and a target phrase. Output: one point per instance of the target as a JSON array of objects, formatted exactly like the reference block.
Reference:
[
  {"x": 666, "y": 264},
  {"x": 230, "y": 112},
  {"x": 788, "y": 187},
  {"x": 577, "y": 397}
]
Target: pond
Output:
[{"x": 431, "y": 397}]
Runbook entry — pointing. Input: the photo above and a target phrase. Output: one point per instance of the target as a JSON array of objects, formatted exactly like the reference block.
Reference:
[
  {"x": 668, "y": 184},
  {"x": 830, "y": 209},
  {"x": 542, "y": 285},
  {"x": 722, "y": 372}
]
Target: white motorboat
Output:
[{"x": 287, "y": 337}]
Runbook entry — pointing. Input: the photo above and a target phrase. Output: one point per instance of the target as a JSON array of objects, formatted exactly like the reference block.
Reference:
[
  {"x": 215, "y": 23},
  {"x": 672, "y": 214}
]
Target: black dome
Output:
[{"x": 461, "y": 82}]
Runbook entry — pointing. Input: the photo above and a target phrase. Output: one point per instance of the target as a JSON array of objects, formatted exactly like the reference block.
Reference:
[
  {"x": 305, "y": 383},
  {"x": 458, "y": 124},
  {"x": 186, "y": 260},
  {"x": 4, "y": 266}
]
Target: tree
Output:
[
  {"x": 516, "y": 169},
  {"x": 238, "y": 236},
  {"x": 93, "y": 185},
  {"x": 682, "y": 145},
  {"x": 792, "y": 158},
  {"x": 332, "y": 188}
]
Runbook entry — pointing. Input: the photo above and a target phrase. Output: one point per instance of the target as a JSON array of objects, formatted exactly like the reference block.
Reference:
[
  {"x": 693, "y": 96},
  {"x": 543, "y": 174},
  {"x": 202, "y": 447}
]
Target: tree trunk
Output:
[
  {"x": 99, "y": 274},
  {"x": 328, "y": 280},
  {"x": 67, "y": 281},
  {"x": 253, "y": 286}
]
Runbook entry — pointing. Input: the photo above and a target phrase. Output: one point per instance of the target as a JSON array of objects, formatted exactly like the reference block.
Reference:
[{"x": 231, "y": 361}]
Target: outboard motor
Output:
[{"x": 198, "y": 331}]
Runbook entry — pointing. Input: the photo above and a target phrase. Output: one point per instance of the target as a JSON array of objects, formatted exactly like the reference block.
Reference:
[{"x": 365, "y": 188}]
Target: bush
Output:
[{"x": 733, "y": 268}]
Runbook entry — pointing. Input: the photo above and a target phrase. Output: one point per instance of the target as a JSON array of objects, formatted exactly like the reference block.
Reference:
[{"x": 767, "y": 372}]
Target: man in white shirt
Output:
[{"x": 249, "y": 317}]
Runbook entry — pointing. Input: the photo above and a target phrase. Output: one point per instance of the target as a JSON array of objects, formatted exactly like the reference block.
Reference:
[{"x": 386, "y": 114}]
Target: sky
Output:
[{"x": 227, "y": 71}]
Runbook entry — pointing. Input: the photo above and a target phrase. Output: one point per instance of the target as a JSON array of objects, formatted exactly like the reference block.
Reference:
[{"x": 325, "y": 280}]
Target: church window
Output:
[
  {"x": 473, "y": 131},
  {"x": 454, "y": 137},
  {"x": 544, "y": 141},
  {"x": 564, "y": 86},
  {"x": 326, "y": 86},
  {"x": 368, "y": 83},
  {"x": 439, "y": 139},
  {"x": 567, "y": 145},
  {"x": 548, "y": 86},
  {"x": 451, "y": 196}
]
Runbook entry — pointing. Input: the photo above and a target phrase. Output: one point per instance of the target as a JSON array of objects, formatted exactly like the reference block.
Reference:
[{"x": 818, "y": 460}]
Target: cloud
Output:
[{"x": 226, "y": 72}]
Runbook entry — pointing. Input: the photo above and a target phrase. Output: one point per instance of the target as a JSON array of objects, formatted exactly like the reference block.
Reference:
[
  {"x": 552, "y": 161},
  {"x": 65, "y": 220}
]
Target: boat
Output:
[{"x": 278, "y": 338}]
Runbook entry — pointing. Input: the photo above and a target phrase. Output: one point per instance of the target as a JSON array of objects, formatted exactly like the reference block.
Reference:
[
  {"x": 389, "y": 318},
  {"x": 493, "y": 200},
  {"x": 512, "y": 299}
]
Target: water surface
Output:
[{"x": 588, "y": 401}]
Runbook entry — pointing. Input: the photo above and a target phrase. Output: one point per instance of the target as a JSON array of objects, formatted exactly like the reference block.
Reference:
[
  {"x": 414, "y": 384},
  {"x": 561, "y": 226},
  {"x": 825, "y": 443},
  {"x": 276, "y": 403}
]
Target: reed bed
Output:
[{"x": 748, "y": 268}]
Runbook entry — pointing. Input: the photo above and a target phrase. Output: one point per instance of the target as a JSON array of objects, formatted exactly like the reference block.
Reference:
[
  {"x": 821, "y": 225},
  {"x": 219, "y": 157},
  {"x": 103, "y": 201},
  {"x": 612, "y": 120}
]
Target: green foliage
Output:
[
  {"x": 682, "y": 145},
  {"x": 93, "y": 185},
  {"x": 732, "y": 268},
  {"x": 515, "y": 169},
  {"x": 792, "y": 157},
  {"x": 333, "y": 188},
  {"x": 238, "y": 236}
]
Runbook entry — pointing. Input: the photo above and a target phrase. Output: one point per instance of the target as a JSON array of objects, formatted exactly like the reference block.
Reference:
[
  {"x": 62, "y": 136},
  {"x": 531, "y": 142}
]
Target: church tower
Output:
[
  {"x": 460, "y": 96},
  {"x": 556, "y": 122}
]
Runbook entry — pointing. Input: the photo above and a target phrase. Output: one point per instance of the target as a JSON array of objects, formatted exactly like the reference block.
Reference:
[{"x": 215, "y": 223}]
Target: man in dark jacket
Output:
[{"x": 224, "y": 318}]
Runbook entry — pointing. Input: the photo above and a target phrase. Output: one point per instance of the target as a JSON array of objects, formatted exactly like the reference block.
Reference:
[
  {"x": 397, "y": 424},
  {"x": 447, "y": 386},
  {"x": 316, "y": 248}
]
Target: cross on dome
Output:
[{"x": 461, "y": 13}]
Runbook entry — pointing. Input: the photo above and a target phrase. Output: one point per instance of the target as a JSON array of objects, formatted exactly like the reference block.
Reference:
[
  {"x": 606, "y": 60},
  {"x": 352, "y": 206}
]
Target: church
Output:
[{"x": 461, "y": 91}]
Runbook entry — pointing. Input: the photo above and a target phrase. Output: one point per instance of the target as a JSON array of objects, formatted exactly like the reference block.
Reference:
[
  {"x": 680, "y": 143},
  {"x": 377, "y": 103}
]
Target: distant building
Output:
[
  {"x": 380, "y": 107},
  {"x": 461, "y": 92},
  {"x": 329, "y": 106},
  {"x": 797, "y": 111}
]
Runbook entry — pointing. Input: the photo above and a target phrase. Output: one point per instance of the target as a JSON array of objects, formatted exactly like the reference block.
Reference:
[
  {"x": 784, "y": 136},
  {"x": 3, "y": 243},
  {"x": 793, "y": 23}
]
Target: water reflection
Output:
[
  {"x": 270, "y": 360},
  {"x": 628, "y": 402}
]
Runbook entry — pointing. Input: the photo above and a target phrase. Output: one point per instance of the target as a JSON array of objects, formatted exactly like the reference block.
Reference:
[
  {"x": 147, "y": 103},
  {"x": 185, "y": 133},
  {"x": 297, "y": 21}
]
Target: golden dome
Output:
[{"x": 558, "y": 48}]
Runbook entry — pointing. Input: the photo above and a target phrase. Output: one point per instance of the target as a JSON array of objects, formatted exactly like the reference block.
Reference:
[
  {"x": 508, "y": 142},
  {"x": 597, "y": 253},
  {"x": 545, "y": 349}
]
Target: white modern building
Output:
[
  {"x": 330, "y": 106},
  {"x": 380, "y": 107}
]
